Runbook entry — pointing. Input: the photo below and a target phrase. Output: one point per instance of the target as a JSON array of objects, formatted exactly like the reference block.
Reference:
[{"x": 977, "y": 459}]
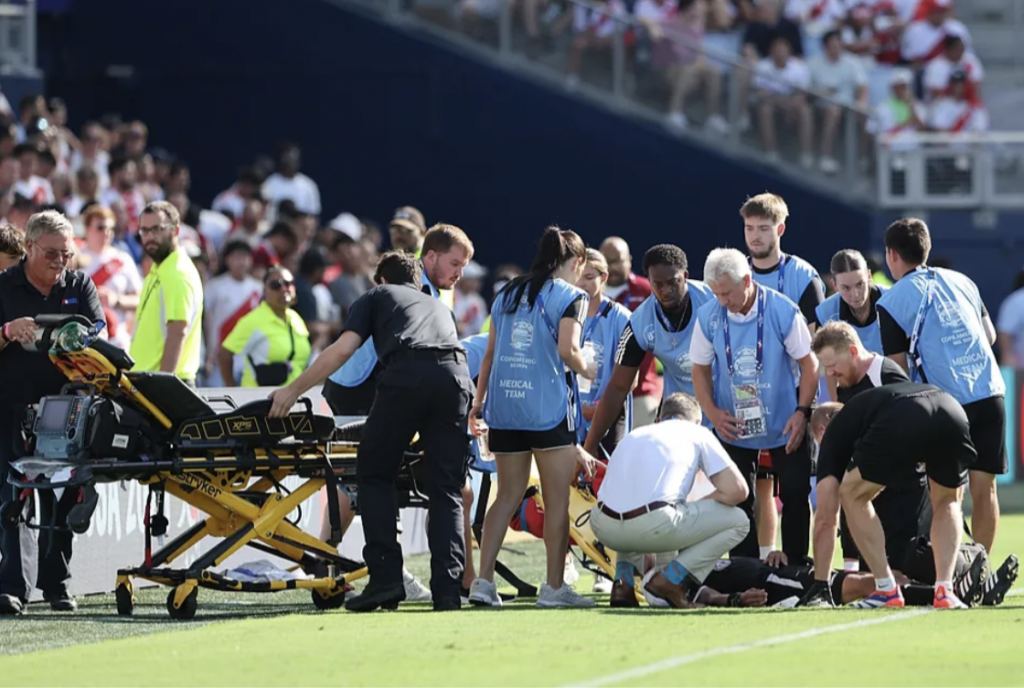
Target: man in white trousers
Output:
[{"x": 642, "y": 507}]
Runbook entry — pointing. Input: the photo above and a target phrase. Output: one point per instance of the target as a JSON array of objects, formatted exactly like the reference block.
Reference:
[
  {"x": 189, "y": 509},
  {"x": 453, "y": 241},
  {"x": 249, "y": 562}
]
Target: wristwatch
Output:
[{"x": 806, "y": 410}]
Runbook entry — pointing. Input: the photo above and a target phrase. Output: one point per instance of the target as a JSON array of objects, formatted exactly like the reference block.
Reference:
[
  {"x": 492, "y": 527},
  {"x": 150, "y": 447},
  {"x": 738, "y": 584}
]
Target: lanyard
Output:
[
  {"x": 547, "y": 319},
  {"x": 782, "y": 269},
  {"x": 588, "y": 331},
  {"x": 760, "y": 336},
  {"x": 922, "y": 310}
]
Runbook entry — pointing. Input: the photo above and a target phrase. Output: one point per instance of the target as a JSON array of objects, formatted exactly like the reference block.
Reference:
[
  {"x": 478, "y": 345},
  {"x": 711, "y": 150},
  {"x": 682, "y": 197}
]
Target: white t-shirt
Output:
[
  {"x": 651, "y": 11},
  {"x": 36, "y": 188},
  {"x": 797, "y": 342},
  {"x": 1011, "y": 322},
  {"x": 470, "y": 312},
  {"x": 841, "y": 78},
  {"x": 957, "y": 116},
  {"x": 229, "y": 201},
  {"x": 782, "y": 82},
  {"x": 226, "y": 300},
  {"x": 938, "y": 71},
  {"x": 816, "y": 16},
  {"x": 923, "y": 40},
  {"x": 100, "y": 164},
  {"x": 659, "y": 463},
  {"x": 300, "y": 189}
]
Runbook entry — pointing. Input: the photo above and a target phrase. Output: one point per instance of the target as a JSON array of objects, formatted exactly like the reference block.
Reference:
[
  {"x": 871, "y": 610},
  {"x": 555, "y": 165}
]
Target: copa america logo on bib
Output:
[
  {"x": 684, "y": 364},
  {"x": 746, "y": 362},
  {"x": 950, "y": 314},
  {"x": 522, "y": 334}
]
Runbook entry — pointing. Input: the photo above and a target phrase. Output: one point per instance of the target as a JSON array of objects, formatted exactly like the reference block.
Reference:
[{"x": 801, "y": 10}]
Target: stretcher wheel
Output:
[
  {"x": 125, "y": 597},
  {"x": 326, "y": 603},
  {"x": 187, "y": 611}
]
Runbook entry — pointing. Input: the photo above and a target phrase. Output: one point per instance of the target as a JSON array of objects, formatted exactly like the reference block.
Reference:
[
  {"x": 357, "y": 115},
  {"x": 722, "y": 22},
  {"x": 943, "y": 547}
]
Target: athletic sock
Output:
[
  {"x": 948, "y": 585},
  {"x": 624, "y": 571},
  {"x": 918, "y": 595},
  {"x": 765, "y": 551},
  {"x": 675, "y": 572},
  {"x": 851, "y": 566},
  {"x": 885, "y": 584}
]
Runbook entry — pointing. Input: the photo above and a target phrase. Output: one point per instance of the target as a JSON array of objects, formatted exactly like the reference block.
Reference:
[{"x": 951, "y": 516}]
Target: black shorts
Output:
[
  {"x": 929, "y": 428},
  {"x": 988, "y": 432},
  {"x": 517, "y": 441},
  {"x": 352, "y": 401}
]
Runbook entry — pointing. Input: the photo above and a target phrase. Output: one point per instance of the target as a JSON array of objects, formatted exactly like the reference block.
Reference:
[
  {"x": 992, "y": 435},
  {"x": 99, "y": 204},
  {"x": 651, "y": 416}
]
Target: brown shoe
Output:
[
  {"x": 675, "y": 595},
  {"x": 623, "y": 595}
]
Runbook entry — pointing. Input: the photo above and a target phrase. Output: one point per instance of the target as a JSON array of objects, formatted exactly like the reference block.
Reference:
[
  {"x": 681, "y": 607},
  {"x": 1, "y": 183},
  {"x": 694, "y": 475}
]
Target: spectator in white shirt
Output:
[
  {"x": 470, "y": 307},
  {"x": 228, "y": 297},
  {"x": 1010, "y": 326},
  {"x": 594, "y": 30},
  {"x": 781, "y": 82},
  {"x": 923, "y": 40},
  {"x": 956, "y": 113},
  {"x": 29, "y": 184},
  {"x": 955, "y": 58},
  {"x": 92, "y": 153},
  {"x": 642, "y": 507},
  {"x": 233, "y": 201},
  {"x": 816, "y": 19},
  {"x": 287, "y": 183},
  {"x": 87, "y": 190},
  {"x": 840, "y": 76}
]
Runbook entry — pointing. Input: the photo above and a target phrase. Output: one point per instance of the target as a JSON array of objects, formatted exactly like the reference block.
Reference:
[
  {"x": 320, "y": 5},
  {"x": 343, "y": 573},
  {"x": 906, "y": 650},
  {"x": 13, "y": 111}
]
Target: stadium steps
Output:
[{"x": 997, "y": 30}]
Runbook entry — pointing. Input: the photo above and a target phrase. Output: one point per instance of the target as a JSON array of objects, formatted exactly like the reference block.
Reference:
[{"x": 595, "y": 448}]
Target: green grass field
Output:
[{"x": 272, "y": 640}]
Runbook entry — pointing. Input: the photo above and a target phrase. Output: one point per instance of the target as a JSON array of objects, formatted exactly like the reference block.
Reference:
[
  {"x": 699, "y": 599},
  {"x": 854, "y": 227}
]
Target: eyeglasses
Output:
[
  {"x": 276, "y": 284},
  {"x": 52, "y": 254},
  {"x": 153, "y": 230}
]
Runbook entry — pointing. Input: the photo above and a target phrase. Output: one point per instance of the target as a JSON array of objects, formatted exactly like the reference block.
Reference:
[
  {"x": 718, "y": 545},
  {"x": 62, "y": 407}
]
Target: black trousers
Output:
[
  {"x": 28, "y": 561},
  {"x": 794, "y": 476},
  {"x": 431, "y": 397}
]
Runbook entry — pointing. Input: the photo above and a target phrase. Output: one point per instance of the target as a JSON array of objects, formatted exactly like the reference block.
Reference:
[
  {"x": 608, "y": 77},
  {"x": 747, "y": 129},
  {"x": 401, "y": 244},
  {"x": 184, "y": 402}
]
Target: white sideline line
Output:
[{"x": 680, "y": 660}]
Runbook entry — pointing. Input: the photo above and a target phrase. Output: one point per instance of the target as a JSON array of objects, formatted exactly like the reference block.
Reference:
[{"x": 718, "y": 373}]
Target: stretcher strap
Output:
[{"x": 333, "y": 508}]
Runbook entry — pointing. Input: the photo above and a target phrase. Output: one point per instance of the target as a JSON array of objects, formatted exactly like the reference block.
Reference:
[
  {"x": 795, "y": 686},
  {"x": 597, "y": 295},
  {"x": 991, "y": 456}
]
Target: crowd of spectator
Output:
[
  {"x": 260, "y": 246},
  {"x": 906, "y": 65}
]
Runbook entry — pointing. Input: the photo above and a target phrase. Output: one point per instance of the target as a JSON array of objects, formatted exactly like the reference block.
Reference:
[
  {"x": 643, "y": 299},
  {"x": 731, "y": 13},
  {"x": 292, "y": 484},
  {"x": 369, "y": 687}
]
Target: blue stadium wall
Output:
[{"x": 386, "y": 118}]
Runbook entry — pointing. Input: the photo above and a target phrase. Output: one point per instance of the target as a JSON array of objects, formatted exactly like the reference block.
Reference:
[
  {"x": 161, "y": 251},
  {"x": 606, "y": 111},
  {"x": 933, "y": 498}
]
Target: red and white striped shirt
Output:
[
  {"x": 923, "y": 41},
  {"x": 226, "y": 301}
]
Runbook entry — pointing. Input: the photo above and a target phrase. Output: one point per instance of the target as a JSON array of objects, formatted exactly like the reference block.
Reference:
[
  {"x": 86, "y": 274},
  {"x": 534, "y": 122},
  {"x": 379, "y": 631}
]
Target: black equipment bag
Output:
[
  {"x": 274, "y": 374},
  {"x": 115, "y": 431}
]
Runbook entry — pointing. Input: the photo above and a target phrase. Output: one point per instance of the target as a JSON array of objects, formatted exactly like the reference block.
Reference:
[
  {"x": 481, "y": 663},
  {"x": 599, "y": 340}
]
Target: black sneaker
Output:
[
  {"x": 999, "y": 584},
  {"x": 970, "y": 587},
  {"x": 11, "y": 606},
  {"x": 373, "y": 597},
  {"x": 819, "y": 596},
  {"x": 62, "y": 602}
]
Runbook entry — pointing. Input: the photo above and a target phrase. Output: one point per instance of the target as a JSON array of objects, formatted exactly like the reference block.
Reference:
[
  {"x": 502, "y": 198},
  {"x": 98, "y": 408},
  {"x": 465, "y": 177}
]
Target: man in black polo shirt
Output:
[
  {"x": 904, "y": 510},
  {"x": 39, "y": 284},
  {"x": 424, "y": 388},
  {"x": 878, "y": 440}
]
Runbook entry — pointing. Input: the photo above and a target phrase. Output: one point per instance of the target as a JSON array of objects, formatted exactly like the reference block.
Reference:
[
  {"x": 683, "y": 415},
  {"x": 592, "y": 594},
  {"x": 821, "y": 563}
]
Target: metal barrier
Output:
[
  {"x": 18, "y": 36},
  {"x": 951, "y": 170}
]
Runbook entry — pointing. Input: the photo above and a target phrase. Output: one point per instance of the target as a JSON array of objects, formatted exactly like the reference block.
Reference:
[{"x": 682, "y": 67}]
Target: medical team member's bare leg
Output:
[
  {"x": 856, "y": 494},
  {"x": 947, "y": 525},
  {"x": 513, "y": 478},
  {"x": 556, "y": 468},
  {"x": 985, "y": 511},
  {"x": 345, "y": 512}
]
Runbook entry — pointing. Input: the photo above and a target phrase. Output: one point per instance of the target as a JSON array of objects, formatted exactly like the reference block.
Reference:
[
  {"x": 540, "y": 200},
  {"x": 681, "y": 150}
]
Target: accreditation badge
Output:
[{"x": 749, "y": 411}]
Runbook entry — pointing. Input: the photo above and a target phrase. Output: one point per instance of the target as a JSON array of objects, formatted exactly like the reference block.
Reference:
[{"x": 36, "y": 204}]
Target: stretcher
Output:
[{"x": 109, "y": 424}]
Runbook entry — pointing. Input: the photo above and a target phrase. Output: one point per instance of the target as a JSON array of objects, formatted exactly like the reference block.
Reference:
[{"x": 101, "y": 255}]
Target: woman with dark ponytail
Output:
[{"x": 527, "y": 397}]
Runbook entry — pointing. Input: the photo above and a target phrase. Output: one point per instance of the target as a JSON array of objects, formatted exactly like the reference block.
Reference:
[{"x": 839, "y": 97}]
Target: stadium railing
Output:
[
  {"x": 951, "y": 171},
  {"x": 17, "y": 36}
]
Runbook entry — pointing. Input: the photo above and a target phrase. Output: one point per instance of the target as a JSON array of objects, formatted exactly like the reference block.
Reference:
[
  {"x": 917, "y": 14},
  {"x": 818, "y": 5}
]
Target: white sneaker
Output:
[
  {"x": 414, "y": 590},
  {"x": 829, "y": 165},
  {"x": 562, "y": 597},
  {"x": 484, "y": 594},
  {"x": 676, "y": 121},
  {"x": 602, "y": 585},
  {"x": 717, "y": 124},
  {"x": 570, "y": 575}
]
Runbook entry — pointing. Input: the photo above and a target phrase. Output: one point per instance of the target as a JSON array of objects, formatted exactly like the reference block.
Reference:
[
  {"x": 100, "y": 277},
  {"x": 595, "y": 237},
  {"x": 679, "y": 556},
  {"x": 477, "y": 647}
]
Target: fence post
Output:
[
  {"x": 851, "y": 135},
  {"x": 618, "y": 60},
  {"x": 505, "y": 29}
]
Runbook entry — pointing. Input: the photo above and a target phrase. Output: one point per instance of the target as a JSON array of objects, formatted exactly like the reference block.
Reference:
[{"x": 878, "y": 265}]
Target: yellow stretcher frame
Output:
[{"x": 214, "y": 484}]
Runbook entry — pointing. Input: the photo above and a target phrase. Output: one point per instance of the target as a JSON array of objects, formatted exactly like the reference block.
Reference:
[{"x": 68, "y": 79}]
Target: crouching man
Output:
[{"x": 642, "y": 507}]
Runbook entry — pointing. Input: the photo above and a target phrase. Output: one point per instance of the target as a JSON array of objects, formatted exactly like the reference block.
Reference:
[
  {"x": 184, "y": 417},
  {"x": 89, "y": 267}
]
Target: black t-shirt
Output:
[
  {"x": 400, "y": 317},
  {"x": 852, "y": 423},
  {"x": 631, "y": 354},
  {"x": 814, "y": 294},
  {"x": 26, "y": 376},
  {"x": 888, "y": 373},
  {"x": 761, "y": 36}
]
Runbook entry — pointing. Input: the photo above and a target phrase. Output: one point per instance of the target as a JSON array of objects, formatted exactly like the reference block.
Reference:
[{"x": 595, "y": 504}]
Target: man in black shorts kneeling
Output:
[{"x": 878, "y": 439}]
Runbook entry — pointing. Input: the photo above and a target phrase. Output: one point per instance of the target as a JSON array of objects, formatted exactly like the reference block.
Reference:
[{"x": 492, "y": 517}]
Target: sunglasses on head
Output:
[{"x": 276, "y": 284}]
